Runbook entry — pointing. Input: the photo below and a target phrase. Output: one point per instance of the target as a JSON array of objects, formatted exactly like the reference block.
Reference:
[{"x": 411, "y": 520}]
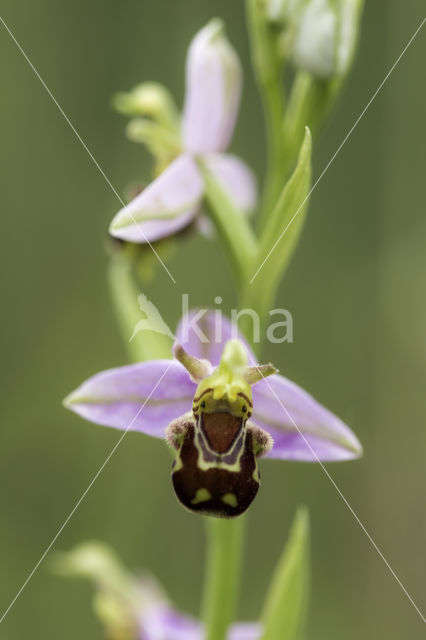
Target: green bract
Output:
[
  {"x": 286, "y": 601},
  {"x": 281, "y": 233}
]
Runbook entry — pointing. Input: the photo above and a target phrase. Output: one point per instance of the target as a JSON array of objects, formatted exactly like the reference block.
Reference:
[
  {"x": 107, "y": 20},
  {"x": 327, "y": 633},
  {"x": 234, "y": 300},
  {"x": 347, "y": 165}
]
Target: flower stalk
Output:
[
  {"x": 124, "y": 294},
  {"x": 268, "y": 71},
  {"x": 232, "y": 226},
  {"x": 225, "y": 540}
]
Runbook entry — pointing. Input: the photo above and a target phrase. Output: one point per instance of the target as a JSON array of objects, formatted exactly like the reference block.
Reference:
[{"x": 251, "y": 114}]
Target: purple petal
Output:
[
  {"x": 167, "y": 205},
  {"x": 236, "y": 178},
  {"x": 204, "y": 334},
  {"x": 213, "y": 91},
  {"x": 144, "y": 232},
  {"x": 139, "y": 397},
  {"x": 302, "y": 429},
  {"x": 245, "y": 631},
  {"x": 167, "y": 624}
]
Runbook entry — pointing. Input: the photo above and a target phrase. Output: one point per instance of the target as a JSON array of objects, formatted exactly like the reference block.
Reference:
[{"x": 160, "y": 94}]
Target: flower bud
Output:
[
  {"x": 151, "y": 100},
  {"x": 158, "y": 140},
  {"x": 314, "y": 47},
  {"x": 318, "y": 35},
  {"x": 277, "y": 10}
]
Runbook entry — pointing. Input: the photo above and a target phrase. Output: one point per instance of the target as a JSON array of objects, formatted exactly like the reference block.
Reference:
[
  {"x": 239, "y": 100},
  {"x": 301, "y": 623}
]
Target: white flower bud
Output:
[
  {"x": 149, "y": 99},
  {"x": 315, "y": 42},
  {"x": 318, "y": 35}
]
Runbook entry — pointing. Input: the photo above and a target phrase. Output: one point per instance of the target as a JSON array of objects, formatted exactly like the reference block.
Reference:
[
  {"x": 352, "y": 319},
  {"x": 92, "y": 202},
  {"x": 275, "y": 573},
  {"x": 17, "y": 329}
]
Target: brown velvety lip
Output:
[{"x": 221, "y": 429}]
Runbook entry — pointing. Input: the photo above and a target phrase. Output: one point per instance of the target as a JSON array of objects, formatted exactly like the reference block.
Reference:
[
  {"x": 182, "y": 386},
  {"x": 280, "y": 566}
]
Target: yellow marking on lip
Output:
[
  {"x": 230, "y": 499},
  {"x": 202, "y": 495}
]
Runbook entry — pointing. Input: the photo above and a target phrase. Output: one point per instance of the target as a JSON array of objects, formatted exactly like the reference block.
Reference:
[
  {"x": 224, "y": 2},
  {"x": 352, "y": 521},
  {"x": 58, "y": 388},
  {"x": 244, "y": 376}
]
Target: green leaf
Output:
[
  {"x": 285, "y": 223},
  {"x": 281, "y": 233},
  {"x": 286, "y": 602}
]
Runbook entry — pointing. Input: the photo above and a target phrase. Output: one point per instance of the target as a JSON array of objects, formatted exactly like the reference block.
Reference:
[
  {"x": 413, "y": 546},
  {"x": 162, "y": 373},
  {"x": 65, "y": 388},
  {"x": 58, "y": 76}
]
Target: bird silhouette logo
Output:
[{"x": 153, "y": 321}]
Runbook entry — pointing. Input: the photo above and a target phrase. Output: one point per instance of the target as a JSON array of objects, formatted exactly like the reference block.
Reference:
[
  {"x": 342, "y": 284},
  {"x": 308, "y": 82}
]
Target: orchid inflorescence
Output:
[
  {"x": 210, "y": 384},
  {"x": 219, "y": 409}
]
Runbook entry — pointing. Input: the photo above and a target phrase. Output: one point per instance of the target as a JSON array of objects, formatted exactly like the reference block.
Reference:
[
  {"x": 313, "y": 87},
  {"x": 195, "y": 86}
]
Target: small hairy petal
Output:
[
  {"x": 204, "y": 334},
  {"x": 262, "y": 439},
  {"x": 177, "y": 429},
  {"x": 213, "y": 91},
  {"x": 167, "y": 205},
  {"x": 259, "y": 372},
  {"x": 197, "y": 369},
  {"x": 142, "y": 397},
  {"x": 235, "y": 177},
  {"x": 301, "y": 428}
]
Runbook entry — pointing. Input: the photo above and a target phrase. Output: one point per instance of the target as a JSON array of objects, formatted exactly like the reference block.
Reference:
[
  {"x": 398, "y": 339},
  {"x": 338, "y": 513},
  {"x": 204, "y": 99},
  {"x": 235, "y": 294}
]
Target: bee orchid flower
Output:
[
  {"x": 134, "y": 606},
  {"x": 173, "y": 200},
  {"x": 219, "y": 410}
]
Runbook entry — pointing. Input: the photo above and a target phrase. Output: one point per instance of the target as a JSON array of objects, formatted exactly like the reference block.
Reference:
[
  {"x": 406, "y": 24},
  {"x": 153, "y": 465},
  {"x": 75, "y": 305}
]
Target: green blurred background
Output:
[{"x": 355, "y": 289}]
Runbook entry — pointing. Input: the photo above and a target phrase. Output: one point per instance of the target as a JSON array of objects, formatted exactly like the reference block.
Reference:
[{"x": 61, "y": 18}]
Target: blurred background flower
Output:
[
  {"x": 212, "y": 99},
  {"x": 132, "y": 606}
]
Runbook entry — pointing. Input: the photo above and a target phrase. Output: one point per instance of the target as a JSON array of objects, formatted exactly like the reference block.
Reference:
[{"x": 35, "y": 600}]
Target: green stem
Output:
[
  {"x": 308, "y": 105},
  {"x": 225, "y": 541},
  {"x": 232, "y": 225},
  {"x": 273, "y": 108},
  {"x": 268, "y": 70},
  {"x": 146, "y": 345}
]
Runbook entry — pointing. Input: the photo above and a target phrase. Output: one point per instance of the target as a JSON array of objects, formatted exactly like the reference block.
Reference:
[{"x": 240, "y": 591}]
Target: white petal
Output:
[
  {"x": 213, "y": 91},
  {"x": 235, "y": 177},
  {"x": 165, "y": 206}
]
